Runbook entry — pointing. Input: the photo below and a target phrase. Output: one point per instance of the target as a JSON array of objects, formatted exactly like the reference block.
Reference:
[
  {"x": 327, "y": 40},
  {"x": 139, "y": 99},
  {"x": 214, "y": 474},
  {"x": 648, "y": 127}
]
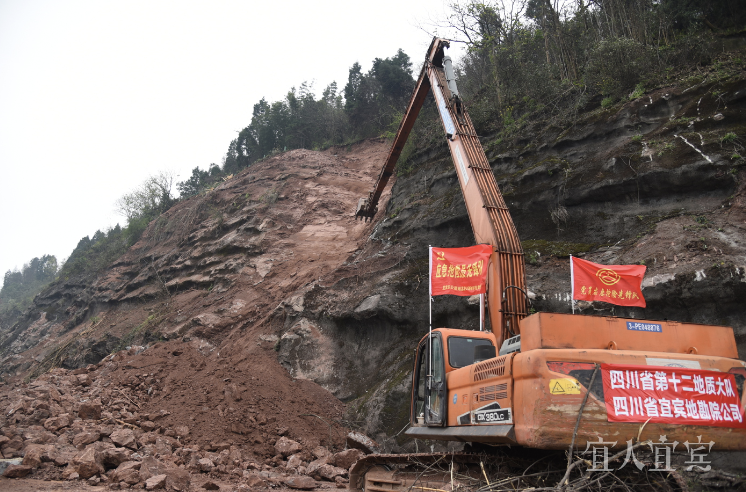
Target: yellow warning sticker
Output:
[{"x": 564, "y": 386}]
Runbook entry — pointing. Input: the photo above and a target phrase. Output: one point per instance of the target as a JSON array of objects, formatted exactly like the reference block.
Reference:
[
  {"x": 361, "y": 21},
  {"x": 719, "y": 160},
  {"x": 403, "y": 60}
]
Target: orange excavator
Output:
[{"x": 547, "y": 380}]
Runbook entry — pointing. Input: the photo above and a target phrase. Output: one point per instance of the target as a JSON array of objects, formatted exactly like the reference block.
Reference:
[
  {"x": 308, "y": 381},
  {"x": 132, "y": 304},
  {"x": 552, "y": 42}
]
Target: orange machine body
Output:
[{"x": 540, "y": 389}]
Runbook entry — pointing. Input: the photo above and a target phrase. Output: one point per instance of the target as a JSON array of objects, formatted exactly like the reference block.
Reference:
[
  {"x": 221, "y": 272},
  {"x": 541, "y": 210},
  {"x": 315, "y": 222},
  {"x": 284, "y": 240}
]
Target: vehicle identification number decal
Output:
[{"x": 651, "y": 327}]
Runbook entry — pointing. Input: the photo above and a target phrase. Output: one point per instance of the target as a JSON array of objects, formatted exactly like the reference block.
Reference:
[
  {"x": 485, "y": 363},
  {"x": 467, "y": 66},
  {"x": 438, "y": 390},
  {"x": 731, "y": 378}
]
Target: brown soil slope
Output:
[{"x": 201, "y": 290}]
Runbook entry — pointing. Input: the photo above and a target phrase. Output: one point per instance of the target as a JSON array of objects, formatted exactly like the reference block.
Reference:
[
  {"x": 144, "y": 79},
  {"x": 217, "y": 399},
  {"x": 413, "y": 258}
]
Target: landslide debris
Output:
[
  {"x": 172, "y": 416},
  {"x": 163, "y": 371}
]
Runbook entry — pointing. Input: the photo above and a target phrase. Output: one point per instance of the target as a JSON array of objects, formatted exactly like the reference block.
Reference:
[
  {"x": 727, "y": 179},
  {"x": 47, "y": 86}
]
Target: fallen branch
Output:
[
  {"x": 122, "y": 422},
  {"x": 580, "y": 414},
  {"x": 570, "y": 468},
  {"x": 130, "y": 399}
]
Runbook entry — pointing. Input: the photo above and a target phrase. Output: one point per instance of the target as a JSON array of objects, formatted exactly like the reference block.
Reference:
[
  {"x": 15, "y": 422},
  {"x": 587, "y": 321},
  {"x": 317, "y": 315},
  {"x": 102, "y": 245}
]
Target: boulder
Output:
[
  {"x": 88, "y": 463},
  {"x": 85, "y": 438},
  {"x": 330, "y": 472},
  {"x": 286, "y": 447},
  {"x": 147, "y": 438},
  {"x": 362, "y": 442},
  {"x": 253, "y": 480},
  {"x": 36, "y": 434},
  {"x": 18, "y": 407},
  {"x": 54, "y": 424},
  {"x": 235, "y": 455},
  {"x": 345, "y": 459},
  {"x": 205, "y": 465},
  {"x": 127, "y": 472},
  {"x": 181, "y": 430},
  {"x": 36, "y": 453},
  {"x": 176, "y": 478},
  {"x": 147, "y": 425},
  {"x": 84, "y": 380},
  {"x": 13, "y": 448},
  {"x": 156, "y": 482},
  {"x": 62, "y": 454},
  {"x": 294, "y": 462},
  {"x": 163, "y": 447},
  {"x": 150, "y": 467},
  {"x": 17, "y": 471},
  {"x": 320, "y": 452},
  {"x": 6, "y": 463},
  {"x": 106, "y": 430},
  {"x": 101, "y": 446},
  {"x": 210, "y": 485},
  {"x": 115, "y": 456},
  {"x": 124, "y": 438},
  {"x": 69, "y": 473},
  {"x": 315, "y": 465},
  {"x": 90, "y": 410},
  {"x": 301, "y": 482}
]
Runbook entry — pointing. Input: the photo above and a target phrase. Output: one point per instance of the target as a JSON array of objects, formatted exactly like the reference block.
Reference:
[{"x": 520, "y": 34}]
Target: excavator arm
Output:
[{"x": 488, "y": 213}]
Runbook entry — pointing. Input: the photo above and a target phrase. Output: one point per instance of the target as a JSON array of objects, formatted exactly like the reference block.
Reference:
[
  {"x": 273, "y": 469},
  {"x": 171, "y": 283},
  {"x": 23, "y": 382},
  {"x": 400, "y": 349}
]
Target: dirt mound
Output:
[
  {"x": 178, "y": 412},
  {"x": 246, "y": 400}
]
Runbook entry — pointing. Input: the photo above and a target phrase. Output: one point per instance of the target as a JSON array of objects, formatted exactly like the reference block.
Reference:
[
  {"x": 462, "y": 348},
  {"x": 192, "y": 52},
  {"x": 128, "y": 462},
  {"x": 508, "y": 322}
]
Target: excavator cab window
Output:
[
  {"x": 421, "y": 377},
  {"x": 430, "y": 384},
  {"x": 461, "y": 350},
  {"x": 436, "y": 387}
]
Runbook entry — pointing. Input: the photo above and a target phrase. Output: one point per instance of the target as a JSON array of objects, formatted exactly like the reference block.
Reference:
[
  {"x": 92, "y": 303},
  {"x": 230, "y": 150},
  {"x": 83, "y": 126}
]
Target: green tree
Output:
[
  {"x": 394, "y": 75},
  {"x": 196, "y": 183},
  {"x": 153, "y": 197},
  {"x": 373, "y": 100}
]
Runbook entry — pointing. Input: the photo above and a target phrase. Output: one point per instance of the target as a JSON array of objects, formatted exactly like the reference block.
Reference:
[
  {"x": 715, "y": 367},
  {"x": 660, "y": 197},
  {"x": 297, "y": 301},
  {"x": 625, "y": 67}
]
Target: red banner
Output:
[
  {"x": 617, "y": 284},
  {"x": 459, "y": 271},
  {"x": 671, "y": 395}
]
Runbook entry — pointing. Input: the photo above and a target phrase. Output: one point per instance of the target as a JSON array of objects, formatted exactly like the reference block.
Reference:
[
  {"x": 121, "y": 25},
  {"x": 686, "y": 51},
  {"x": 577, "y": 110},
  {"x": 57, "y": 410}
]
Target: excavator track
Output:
[
  {"x": 416, "y": 472},
  {"x": 503, "y": 469}
]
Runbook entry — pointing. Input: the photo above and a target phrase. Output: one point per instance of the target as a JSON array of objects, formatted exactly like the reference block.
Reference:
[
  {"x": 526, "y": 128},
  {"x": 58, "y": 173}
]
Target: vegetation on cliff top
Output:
[{"x": 535, "y": 60}]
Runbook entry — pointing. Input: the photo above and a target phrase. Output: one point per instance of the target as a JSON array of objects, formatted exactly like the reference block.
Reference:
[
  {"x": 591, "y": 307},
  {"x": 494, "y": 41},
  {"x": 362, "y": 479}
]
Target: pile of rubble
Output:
[{"x": 80, "y": 425}]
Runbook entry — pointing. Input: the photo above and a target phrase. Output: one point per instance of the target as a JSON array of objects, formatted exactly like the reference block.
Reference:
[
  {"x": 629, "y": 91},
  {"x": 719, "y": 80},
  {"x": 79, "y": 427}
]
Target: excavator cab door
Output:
[{"x": 430, "y": 383}]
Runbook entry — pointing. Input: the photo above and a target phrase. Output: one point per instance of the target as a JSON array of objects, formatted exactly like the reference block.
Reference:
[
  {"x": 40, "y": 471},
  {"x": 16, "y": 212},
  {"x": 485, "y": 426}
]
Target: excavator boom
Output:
[{"x": 488, "y": 213}]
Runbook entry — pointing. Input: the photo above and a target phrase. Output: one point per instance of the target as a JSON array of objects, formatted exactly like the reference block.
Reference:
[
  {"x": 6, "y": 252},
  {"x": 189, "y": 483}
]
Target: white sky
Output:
[{"x": 97, "y": 95}]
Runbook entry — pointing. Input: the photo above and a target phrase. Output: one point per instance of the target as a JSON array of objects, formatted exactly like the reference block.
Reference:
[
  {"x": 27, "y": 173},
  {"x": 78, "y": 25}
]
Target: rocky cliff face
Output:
[
  {"x": 214, "y": 265},
  {"x": 273, "y": 262}
]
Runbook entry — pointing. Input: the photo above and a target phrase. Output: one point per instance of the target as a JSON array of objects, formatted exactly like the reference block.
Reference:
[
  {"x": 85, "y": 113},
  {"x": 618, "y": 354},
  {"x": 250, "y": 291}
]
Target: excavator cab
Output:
[{"x": 439, "y": 354}]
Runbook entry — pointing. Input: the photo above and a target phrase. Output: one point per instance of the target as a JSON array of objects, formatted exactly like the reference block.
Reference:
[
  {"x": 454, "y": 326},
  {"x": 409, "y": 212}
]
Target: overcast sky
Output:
[{"x": 97, "y": 95}]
